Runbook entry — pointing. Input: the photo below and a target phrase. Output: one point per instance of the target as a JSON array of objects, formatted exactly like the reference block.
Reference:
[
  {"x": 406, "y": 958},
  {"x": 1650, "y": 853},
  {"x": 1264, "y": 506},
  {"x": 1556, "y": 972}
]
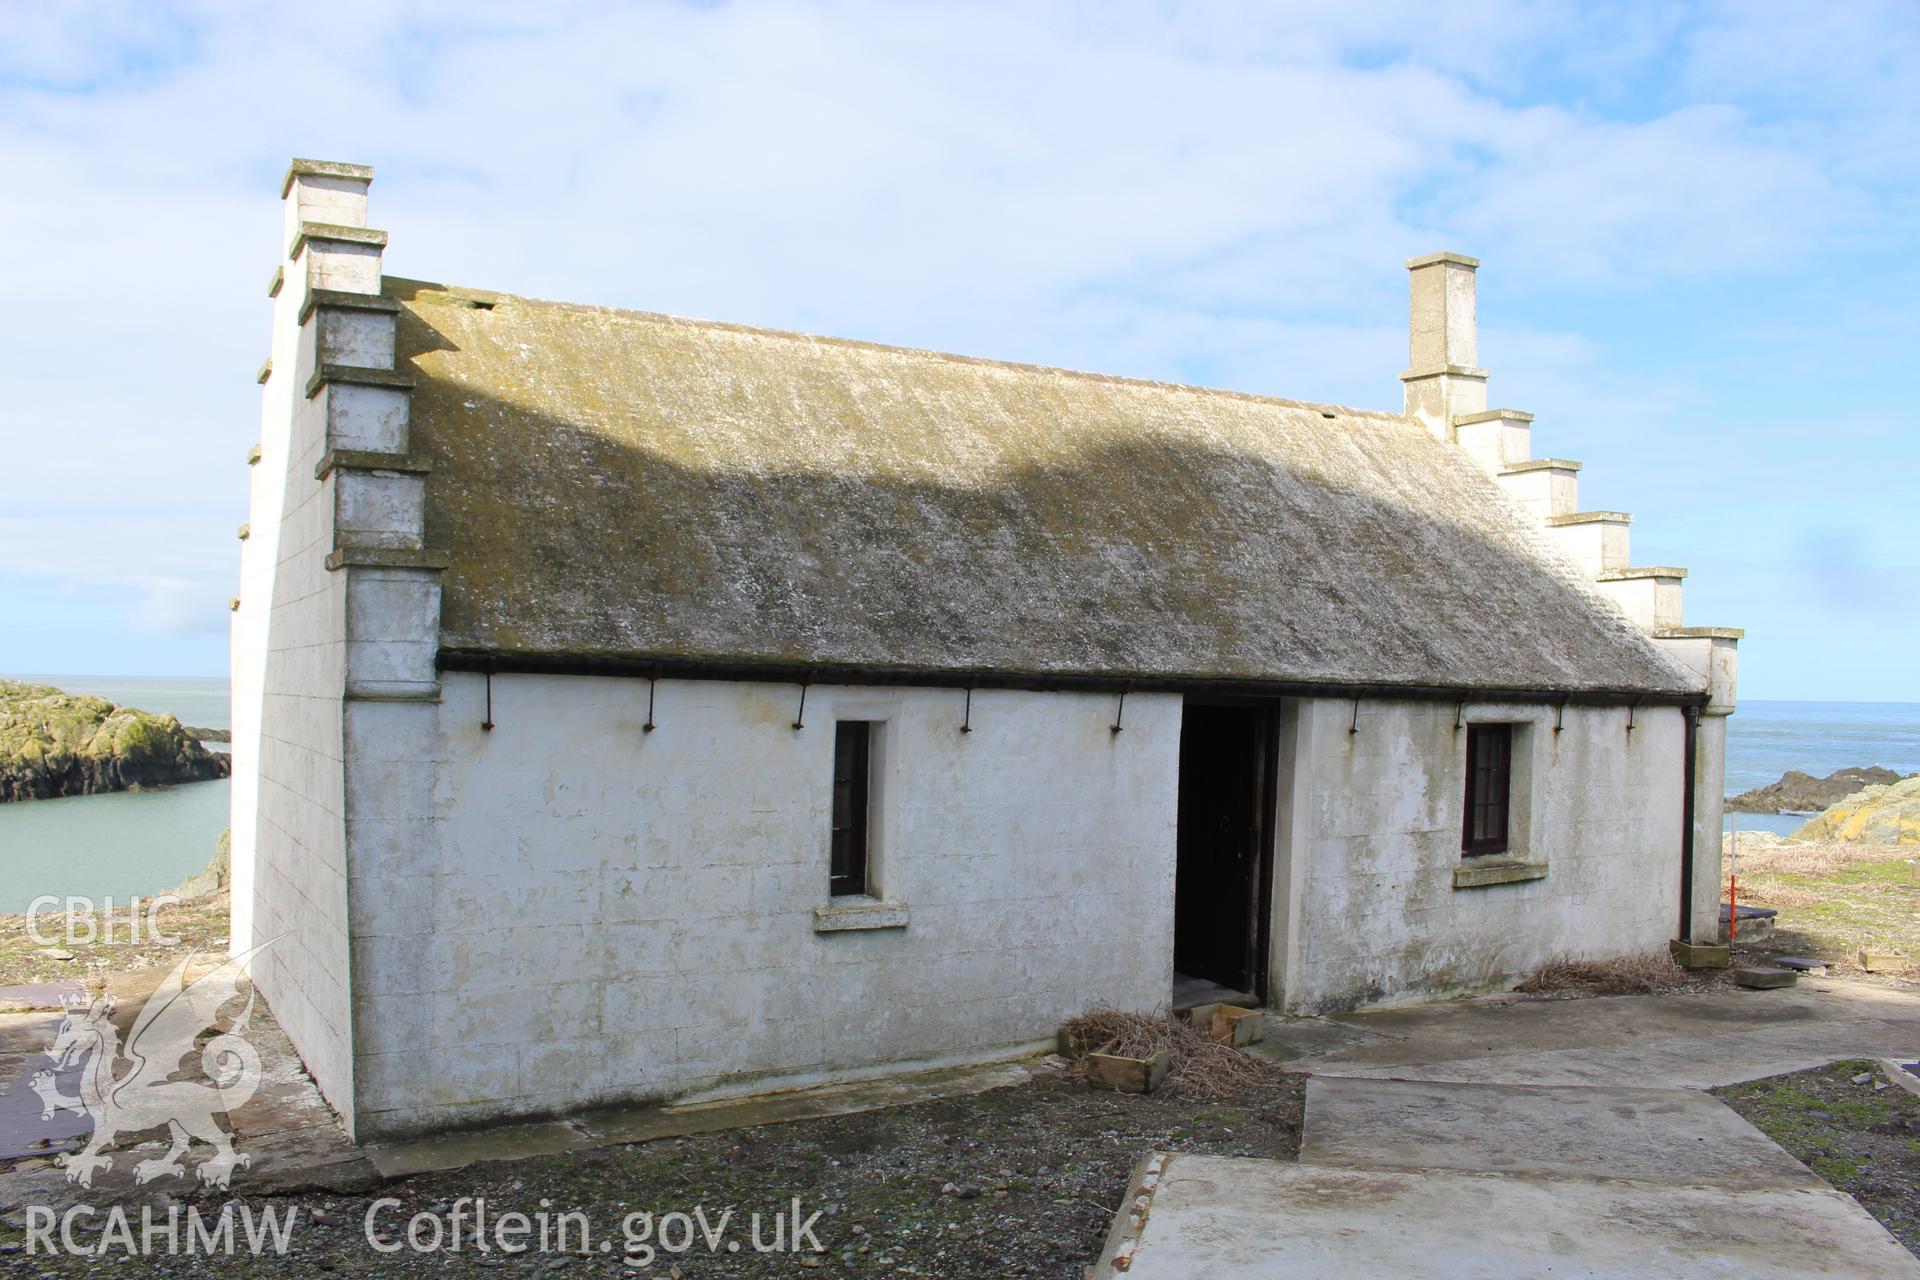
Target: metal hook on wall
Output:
[
  {"x": 486, "y": 725},
  {"x": 800, "y": 716},
  {"x": 1559, "y": 715},
  {"x": 1632, "y": 712},
  {"x": 966, "y": 722},
  {"x": 1120, "y": 711},
  {"x": 1355, "y": 726},
  {"x": 1459, "y": 714},
  {"x": 652, "y": 681}
]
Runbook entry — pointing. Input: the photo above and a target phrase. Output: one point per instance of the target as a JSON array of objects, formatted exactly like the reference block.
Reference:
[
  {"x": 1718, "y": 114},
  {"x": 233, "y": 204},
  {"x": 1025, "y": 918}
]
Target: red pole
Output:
[{"x": 1733, "y": 908}]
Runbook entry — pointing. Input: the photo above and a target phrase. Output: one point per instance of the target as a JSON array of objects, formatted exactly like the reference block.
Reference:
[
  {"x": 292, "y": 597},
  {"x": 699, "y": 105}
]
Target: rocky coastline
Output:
[
  {"x": 54, "y": 743},
  {"x": 1888, "y": 814},
  {"x": 1798, "y": 792}
]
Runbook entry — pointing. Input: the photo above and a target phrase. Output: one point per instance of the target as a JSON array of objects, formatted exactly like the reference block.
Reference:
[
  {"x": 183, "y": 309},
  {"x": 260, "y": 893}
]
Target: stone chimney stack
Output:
[
  {"x": 325, "y": 191},
  {"x": 1443, "y": 380}
]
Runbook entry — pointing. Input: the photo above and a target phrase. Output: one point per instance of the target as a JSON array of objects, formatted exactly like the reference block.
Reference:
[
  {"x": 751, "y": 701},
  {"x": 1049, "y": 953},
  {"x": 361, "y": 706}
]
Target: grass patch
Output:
[
  {"x": 1864, "y": 1141},
  {"x": 1834, "y": 899}
]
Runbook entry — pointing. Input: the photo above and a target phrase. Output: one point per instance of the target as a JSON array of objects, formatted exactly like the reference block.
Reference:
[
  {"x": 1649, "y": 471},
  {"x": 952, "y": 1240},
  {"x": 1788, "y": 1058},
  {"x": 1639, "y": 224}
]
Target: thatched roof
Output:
[{"x": 621, "y": 485}]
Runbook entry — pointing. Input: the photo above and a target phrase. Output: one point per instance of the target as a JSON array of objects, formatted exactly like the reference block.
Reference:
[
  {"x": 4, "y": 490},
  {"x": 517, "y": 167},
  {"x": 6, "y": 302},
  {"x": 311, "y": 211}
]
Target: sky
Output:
[{"x": 1697, "y": 223}]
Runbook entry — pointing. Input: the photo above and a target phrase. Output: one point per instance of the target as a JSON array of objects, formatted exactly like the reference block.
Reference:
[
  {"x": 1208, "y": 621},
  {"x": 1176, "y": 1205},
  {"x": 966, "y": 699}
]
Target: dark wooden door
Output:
[{"x": 1223, "y": 841}]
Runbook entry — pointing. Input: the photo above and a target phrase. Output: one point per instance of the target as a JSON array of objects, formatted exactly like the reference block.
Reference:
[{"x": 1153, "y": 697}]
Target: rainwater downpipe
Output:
[{"x": 1689, "y": 760}]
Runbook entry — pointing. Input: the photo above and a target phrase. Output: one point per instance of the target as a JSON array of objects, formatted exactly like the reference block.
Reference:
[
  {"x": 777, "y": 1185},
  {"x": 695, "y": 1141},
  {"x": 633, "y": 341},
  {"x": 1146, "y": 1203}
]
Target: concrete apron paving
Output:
[
  {"x": 1433, "y": 1149},
  {"x": 1683, "y": 1041}
]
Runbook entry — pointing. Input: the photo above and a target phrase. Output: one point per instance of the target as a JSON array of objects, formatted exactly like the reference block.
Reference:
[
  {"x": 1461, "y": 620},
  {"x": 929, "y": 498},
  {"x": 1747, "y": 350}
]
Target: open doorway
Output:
[{"x": 1223, "y": 880}]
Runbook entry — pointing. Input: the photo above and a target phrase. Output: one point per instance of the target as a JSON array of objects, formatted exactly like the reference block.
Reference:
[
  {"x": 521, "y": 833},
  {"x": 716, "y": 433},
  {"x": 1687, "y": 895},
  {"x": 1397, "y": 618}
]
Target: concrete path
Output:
[
  {"x": 1545, "y": 1138},
  {"x": 1685, "y": 1041}
]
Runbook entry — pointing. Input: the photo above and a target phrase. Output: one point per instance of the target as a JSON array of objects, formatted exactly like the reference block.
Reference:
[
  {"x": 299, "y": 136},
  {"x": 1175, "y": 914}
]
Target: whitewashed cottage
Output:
[{"x": 629, "y": 707}]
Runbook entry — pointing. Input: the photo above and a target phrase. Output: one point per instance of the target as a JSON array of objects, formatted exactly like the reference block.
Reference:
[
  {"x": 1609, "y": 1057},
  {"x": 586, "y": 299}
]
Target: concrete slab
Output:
[
  {"x": 615, "y": 1125},
  {"x": 645, "y": 1124},
  {"x": 1563, "y": 1138},
  {"x": 26, "y": 996},
  {"x": 1684, "y": 1041},
  {"x": 1291, "y": 1039},
  {"x": 1902, "y": 1072},
  {"x": 1240, "y": 1219},
  {"x": 457, "y": 1150},
  {"x": 1674, "y": 1136}
]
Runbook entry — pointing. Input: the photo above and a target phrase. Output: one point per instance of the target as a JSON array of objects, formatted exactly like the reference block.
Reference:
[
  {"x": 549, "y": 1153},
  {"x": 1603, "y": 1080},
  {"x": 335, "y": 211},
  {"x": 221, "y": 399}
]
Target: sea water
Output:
[
  {"x": 124, "y": 842},
  {"x": 127, "y": 843},
  {"x": 1765, "y": 739}
]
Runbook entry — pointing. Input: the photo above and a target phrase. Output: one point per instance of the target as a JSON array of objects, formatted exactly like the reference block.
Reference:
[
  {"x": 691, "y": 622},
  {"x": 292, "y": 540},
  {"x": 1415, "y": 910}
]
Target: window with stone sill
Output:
[
  {"x": 1489, "y": 791},
  {"x": 852, "y": 787}
]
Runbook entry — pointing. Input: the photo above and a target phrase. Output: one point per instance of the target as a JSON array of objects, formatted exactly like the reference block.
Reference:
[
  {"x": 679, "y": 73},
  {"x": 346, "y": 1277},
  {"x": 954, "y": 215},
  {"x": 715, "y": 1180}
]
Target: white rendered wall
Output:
[
  {"x": 1709, "y": 816},
  {"x": 289, "y": 880},
  {"x": 267, "y": 482},
  {"x": 591, "y": 912},
  {"x": 299, "y": 891},
  {"x": 1364, "y": 893}
]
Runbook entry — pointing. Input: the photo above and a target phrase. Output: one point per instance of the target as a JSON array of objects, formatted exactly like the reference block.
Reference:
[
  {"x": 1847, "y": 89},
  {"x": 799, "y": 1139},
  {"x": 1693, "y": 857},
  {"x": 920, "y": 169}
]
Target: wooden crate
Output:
[
  {"x": 1127, "y": 1075},
  {"x": 1229, "y": 1023},
  {"x": 1236, "y": 1026}
]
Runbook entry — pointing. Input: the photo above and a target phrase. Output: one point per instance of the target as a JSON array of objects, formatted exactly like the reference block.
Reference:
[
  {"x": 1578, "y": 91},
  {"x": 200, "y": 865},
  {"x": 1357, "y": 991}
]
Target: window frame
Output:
[
  {"x": 853, "y": 758},
  {"x": 1500, "y": 738}
]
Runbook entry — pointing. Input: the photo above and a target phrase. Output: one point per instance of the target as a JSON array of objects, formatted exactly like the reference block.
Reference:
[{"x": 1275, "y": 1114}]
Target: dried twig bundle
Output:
[{"x": 1201, "y": 1068}]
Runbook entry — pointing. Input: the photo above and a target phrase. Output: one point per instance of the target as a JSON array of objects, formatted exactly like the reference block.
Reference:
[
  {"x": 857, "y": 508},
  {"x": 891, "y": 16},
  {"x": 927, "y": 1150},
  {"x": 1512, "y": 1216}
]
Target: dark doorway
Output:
[{"x": 1223, "y": 883}]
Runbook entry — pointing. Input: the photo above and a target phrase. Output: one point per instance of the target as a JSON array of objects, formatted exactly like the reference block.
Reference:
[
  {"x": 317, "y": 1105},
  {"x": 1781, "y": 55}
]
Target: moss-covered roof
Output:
[{"x": 624, "y": 485}]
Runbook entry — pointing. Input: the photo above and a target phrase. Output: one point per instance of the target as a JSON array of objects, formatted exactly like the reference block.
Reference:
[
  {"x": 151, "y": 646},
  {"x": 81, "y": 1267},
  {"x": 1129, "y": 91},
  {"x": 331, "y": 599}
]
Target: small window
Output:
[
  {"x": 852, "y": 761},
  {"x": 1489, "y": 787}
]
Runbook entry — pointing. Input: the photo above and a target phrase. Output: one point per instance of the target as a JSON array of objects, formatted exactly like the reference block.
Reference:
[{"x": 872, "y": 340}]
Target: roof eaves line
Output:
[{"x": 786, "y": 670}]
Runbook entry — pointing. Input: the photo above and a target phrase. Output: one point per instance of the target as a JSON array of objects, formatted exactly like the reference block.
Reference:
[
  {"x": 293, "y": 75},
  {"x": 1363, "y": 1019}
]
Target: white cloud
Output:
[
  {"x": 178, "y": 607},
  {"x": 1188, "y": 190}
]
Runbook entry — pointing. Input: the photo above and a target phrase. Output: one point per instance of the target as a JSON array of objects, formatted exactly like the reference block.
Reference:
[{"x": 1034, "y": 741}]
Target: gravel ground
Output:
[
  {"x": 1864, "y": 1140},
  {"x": 196, "y": 925},
  {"x": 1014, "y": 1182}
]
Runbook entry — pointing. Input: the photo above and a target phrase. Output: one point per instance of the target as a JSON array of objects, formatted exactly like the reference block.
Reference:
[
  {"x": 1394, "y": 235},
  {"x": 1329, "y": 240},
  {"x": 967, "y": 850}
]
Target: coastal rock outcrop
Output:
[
  {"x": 1798, "y": 792},
  {"x": 1876, "y": 815},
  {"x": 54, "y": 743}
]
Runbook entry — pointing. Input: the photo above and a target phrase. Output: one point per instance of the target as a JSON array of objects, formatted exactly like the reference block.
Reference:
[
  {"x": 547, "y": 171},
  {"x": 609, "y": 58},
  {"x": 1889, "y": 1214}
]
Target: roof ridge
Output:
[{"x": 889, "y": 348}]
